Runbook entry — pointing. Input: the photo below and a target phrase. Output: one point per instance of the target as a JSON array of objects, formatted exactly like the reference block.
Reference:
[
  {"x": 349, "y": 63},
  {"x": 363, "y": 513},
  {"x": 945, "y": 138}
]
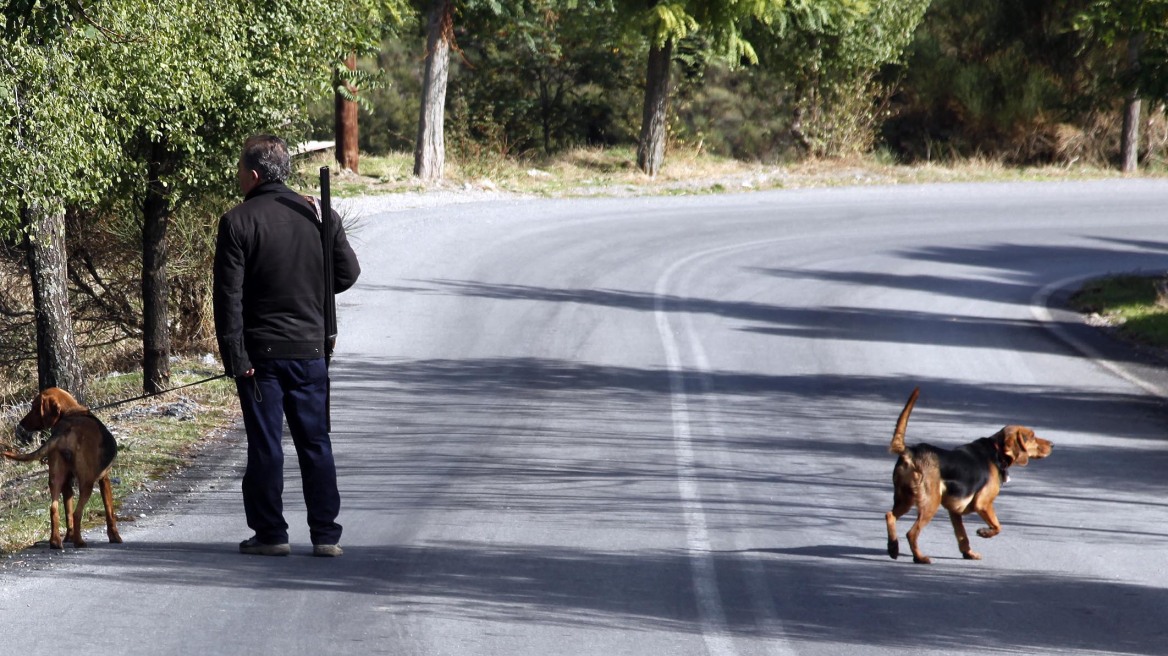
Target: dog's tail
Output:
[
  {"x": 39, "y": 454},
  {"x": 897, "y": 446}
]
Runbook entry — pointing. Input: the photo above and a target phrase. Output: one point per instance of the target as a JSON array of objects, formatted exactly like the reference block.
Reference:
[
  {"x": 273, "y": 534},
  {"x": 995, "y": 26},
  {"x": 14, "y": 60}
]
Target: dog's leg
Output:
[
  {"x": 84, "y": 490},
  {"x": 926, "y": 508},
  {"x": 57, "y": 480},
  {"x": 107, "y": 498},
  {"x": 987, "y": 513},
  {"x": 967, "y": 551},
  {"x": 67, "y": 501},
  {"x": 901, "y": 504}
]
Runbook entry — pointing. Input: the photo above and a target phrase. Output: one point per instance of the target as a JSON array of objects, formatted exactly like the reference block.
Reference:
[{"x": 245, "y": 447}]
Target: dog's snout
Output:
[
  {"x": 23, "y": 434},
  {"x": 1044, "y": 447}
]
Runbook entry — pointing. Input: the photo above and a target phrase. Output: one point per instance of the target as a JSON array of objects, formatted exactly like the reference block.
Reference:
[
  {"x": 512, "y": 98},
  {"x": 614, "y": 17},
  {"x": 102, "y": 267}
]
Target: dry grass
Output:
[{"x": 612, "y": 172}]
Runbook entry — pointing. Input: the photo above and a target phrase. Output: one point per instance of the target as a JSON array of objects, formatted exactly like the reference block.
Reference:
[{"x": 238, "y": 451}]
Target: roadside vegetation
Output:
[
  {"x": 610, "y": 171},
  {"x": 1135, "y": 307}
]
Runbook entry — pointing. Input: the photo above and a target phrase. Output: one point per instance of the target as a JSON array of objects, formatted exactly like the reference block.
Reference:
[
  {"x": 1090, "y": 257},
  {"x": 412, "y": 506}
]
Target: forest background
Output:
[{"x": 121, "y": 120}]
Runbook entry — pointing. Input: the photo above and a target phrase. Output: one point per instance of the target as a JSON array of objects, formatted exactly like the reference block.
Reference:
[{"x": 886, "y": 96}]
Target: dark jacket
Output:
[{"x": 269, "y": 290}]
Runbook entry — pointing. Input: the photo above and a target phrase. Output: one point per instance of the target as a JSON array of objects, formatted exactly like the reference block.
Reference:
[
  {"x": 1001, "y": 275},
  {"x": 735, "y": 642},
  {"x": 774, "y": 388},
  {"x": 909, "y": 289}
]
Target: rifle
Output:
[
  {"x": 327, "y": 241},
  {"x": 330, "y": 296}
]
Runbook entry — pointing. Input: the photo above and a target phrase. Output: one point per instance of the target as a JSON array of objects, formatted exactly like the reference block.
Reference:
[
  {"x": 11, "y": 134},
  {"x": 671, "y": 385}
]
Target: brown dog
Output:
[
  {"x": 963, "y": 480},
  {"x": 80, "y": 447}
]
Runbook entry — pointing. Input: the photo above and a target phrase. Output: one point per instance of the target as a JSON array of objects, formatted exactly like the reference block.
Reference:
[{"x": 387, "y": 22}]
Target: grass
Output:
[
  {"x": 613, "y": 172},
  {"x": 156, "y": 438},
  {"x": 1135, "y": 306}
]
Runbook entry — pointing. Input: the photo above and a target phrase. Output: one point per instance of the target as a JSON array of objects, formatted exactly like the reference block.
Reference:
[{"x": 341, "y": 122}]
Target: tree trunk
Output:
[
  {"x": 1130, "y": 139},
  {"x": 345, "y": 121},
  {"x": 654, "y": 118},
  {"x": 155, "y": 286},
  {"x": 545, "y": 111},
  {"x": 430, "y": 149},
  {"x": 798, "y": 134},
  {"x": 58, "y": 364}
]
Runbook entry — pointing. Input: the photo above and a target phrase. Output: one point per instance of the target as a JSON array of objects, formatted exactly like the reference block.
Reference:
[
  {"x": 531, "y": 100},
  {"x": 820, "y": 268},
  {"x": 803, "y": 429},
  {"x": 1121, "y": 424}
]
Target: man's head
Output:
[{"x": 264, "y": 159}]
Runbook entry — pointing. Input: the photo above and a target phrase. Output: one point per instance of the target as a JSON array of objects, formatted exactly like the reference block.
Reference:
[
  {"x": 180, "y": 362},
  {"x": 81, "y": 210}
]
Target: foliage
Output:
[
  {"x": 722, "y": 24},
  {"x": 831, "y": 54},
  {"x": 544, "y": 83},
  {"x": 55, "y": 141},
  {"x": 132, "y": 91},
  {"x": 975, "y": 67},
  {"x": 816, "y": 89},
  {"x": 1030, "y": 82},
  {"x": 1111, "y": 22},
  {"x": 388, "y": 108}
]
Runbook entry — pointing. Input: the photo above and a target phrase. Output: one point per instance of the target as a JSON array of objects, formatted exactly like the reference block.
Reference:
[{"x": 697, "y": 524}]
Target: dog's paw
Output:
[
  {"x": 894, "y": 549},
  {"x": 971, "y": 555},
  {"x": 986, "y": 532},
  {"x": 922, "y": 560}
]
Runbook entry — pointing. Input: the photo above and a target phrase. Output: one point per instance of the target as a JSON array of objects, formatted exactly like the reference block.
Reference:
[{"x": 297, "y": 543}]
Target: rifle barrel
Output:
[{"x": 327, "y": 242}]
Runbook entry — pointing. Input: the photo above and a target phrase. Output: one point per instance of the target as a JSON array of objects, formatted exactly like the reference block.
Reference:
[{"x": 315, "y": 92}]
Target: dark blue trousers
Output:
[{"x": 296, "y": 390}]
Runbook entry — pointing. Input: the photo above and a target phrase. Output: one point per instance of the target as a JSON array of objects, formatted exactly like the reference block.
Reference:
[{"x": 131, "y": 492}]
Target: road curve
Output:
[{"x": 660, "y": 426}]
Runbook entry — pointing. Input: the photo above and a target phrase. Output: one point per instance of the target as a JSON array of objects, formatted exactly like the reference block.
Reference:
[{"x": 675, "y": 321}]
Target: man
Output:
[{"x": 269, "y": 297}]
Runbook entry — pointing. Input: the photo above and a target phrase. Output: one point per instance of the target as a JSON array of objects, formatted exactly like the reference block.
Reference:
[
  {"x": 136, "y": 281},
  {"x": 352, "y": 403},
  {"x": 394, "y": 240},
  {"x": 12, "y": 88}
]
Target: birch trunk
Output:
[
  {"x": 430, "y": 148},
  {"x": 1130, "y": 138}
]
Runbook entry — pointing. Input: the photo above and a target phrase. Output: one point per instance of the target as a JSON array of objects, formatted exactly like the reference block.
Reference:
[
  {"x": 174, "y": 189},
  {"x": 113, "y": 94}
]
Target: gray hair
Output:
[{"x": 267, "y": 155}]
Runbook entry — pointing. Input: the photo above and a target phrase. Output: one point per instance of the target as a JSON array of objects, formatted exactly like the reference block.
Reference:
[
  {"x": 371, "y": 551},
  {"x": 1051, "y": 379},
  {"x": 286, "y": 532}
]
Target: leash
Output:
[{"x": 153, "y": 394}]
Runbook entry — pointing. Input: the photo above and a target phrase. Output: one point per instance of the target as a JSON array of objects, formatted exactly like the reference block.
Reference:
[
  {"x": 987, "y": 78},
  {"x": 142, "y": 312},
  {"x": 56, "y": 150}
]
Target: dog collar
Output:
[{"x": 1000, "y": 457}]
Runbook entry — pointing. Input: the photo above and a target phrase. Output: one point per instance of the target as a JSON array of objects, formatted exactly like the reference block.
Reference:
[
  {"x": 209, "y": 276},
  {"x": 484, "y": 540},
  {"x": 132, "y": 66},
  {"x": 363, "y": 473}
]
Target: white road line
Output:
[
  {"x": 711, "y": 614},
  {"x": 760, "y": 594}
]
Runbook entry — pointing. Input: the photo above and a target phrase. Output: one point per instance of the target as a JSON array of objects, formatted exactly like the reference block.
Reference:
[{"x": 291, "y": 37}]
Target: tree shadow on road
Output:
[{"x": 830, "y": 594}]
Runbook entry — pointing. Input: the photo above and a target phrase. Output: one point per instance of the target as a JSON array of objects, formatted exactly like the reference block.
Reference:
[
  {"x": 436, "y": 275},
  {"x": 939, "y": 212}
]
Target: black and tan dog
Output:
[
  {"x": 962, "y": 480},
  {"x": 79, "y": 448}
]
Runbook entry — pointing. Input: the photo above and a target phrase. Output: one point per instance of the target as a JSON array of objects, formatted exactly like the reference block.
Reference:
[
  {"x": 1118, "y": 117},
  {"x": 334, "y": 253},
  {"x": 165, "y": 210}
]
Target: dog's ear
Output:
[
  {"x": 35, "y": 419},
  {"x": 50, "y": 409},
  {"x": 1014, "y": 444}
]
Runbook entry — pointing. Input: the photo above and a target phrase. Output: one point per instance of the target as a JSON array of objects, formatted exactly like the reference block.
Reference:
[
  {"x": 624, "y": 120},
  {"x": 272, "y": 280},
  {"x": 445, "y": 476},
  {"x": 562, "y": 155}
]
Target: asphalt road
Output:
[{"x": 660, "y": 426}]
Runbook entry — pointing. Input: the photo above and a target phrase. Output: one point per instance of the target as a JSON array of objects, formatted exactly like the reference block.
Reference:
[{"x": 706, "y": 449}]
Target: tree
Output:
[
  {"x": 199, "y": 78},
  {"x": 363, "y": 36},
  {"x": 58, "y": 363},
  {"x": 992, "y": 78},
  {"x": 430, "y": 146},
  {"x": 182, "y": 84},
  {"x": 1140, "y": 29},
  {"x": 543, "y": 81},
  {"x": 54, "y": 147},
  {"x": 721, "y": 24},
  {"x": 346, "y": 130},
  {"x": 830, "y": 53}
]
